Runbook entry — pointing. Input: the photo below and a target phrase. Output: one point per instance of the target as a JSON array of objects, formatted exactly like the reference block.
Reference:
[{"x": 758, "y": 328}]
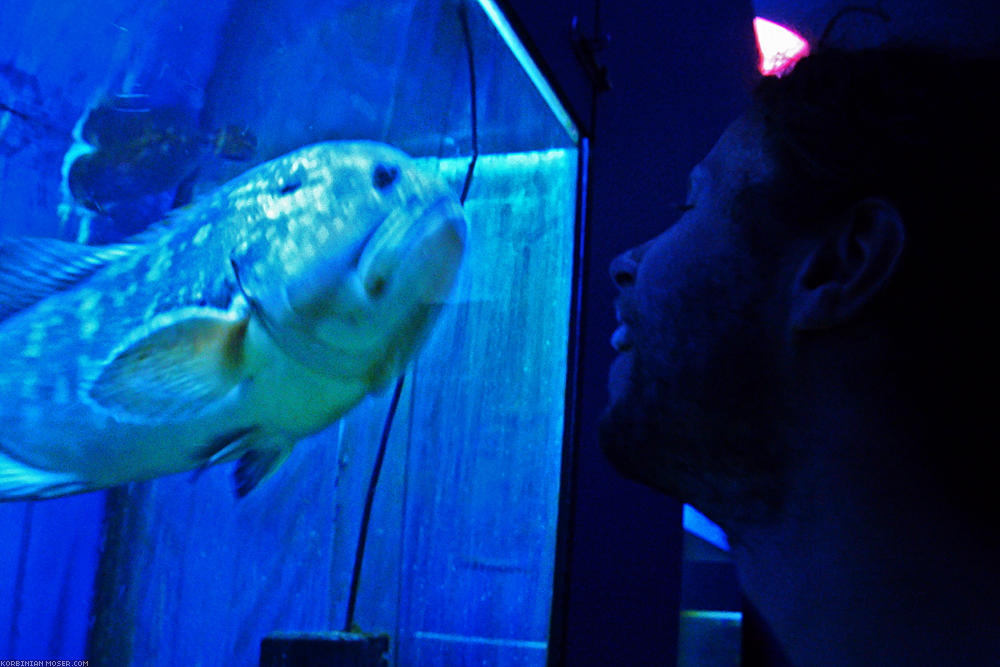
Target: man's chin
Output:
[
  {"x": 620, "y": 442},
  {"x": 620, "y": 377},
  {"x": 706, "y": 462},
  {"x": 633, "y": 434}
]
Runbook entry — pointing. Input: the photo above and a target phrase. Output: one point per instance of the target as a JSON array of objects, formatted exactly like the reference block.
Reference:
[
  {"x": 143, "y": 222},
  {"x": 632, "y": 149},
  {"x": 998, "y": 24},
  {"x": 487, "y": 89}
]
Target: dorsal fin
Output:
[
  {"x": 32, "y": 269},
  {"x": 198, "y": 209}
]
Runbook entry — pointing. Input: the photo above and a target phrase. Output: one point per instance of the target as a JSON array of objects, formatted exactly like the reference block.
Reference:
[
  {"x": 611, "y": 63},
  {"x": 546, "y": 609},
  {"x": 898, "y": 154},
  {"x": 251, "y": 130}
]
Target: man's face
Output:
[{"x": 692, "y": 391}]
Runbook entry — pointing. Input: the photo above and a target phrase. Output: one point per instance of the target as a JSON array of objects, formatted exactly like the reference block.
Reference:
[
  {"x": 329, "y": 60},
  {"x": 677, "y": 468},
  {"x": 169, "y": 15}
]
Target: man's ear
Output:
[{"x": 847, "y": 269}]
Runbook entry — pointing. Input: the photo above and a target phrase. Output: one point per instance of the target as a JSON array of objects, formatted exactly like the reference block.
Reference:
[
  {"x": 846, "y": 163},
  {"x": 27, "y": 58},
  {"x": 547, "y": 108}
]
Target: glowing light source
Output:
[{"x": 779, "y": 47}]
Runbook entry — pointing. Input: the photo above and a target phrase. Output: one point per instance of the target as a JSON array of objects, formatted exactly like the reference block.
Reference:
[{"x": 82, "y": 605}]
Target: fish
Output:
[
  {"x": 245, "y": 321},
  {"x": 134, "y": 150}
]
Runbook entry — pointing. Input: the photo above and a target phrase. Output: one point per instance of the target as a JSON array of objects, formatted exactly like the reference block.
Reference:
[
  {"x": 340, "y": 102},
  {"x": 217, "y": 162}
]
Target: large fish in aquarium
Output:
[{"x": 253, "y": 317}]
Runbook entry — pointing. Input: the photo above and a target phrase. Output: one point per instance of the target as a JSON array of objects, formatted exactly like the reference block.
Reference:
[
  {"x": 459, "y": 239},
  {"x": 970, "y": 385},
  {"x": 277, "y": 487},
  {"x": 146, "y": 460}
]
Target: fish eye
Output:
[
  {"x": 290, "y": 187},
  {"x": 384, "y": 176},
  {"x": 376, "y": 288}
]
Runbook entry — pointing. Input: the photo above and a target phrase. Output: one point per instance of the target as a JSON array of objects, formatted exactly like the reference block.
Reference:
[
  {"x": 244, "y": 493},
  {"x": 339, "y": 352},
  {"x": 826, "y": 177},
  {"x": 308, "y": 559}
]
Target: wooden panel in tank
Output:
[
  {"x": 48, "y": 554},
  {"x": 192, "y": 575},
  {"x": 467, "y": 502},
  {"x": 460, "y": 552},
  {"x": 485, "y": 445}
]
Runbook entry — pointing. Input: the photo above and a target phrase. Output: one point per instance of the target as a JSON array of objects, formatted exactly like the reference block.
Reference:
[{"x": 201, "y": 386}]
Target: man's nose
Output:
[{"x": 624, "y": 266}]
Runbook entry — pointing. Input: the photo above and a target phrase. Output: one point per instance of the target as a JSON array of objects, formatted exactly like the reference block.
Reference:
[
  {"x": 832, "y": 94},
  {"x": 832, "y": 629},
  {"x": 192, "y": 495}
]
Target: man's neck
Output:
[{"x": 857, "y": 573}]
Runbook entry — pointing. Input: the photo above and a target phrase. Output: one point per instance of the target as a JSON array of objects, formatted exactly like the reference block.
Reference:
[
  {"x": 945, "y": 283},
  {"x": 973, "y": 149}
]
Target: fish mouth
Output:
[
  {"x": 419, "y": 254},
  {"x": 382, "y": 292},
  {"x": 387, "y": 261}
]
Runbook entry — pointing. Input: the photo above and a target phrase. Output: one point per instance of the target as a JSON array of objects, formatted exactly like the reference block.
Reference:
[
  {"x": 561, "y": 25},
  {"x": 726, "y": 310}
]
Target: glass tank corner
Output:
[{"x": 117, "y": 118}]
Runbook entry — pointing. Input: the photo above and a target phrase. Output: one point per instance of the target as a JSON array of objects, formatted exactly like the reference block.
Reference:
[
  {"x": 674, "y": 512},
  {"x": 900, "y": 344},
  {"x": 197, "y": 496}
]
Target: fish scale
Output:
[{"x": 239, "y": 325}]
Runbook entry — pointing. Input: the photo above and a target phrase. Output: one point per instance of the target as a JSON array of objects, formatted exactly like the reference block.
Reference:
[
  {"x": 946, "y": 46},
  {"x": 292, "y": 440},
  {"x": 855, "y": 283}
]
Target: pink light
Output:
[{"x": 779, "y": 47}]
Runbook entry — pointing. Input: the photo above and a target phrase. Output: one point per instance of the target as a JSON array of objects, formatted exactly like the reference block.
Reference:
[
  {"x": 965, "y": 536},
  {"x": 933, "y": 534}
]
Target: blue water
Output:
[{"x": 112, "y": 113}]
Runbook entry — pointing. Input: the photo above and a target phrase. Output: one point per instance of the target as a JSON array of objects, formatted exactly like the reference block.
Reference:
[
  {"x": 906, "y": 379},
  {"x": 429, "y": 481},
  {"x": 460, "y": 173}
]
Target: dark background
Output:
[{"x": 680, "y": 72}]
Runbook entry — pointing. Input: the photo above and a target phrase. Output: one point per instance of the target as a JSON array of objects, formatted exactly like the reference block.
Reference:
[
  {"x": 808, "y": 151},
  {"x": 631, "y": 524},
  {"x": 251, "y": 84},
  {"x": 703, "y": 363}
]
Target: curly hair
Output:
[
  {"x": 921, "y": 130},
  {"x": 907, "y": 124}
]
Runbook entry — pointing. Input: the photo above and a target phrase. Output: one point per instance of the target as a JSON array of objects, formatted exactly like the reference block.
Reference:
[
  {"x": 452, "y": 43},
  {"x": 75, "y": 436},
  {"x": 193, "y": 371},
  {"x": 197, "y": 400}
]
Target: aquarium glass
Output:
[{"x": 115, "y": 115}]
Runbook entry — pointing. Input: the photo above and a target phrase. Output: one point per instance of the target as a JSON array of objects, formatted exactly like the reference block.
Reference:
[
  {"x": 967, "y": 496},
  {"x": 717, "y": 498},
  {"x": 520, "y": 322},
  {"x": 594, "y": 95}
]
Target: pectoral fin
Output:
[
  {"x": 174, "y": 371},
  {"x": 255, "y": 466},
  {"x": 259, "y": 456}
]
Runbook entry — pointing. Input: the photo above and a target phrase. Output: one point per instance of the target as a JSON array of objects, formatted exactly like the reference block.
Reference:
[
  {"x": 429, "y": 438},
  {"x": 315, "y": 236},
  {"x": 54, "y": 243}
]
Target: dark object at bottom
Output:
[{"x": 324, "y": 649}]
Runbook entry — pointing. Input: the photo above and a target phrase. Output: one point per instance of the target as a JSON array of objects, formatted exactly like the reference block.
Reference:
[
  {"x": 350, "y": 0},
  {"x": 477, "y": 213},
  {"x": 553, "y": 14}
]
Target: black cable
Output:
[
  {"x": 366, "y": 514},
  {"x": 359, "y": 554},
  {"x": 463, "y": 16}
]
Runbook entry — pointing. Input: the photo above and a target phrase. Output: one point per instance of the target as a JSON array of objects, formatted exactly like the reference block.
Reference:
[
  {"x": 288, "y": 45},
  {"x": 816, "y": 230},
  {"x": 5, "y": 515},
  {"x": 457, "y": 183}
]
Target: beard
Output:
[{"x": 697, "y": 416}]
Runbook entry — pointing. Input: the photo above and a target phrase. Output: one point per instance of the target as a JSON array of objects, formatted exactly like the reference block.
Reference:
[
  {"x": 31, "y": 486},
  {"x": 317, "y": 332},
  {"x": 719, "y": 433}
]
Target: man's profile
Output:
[{"x": 806, "y": 356}]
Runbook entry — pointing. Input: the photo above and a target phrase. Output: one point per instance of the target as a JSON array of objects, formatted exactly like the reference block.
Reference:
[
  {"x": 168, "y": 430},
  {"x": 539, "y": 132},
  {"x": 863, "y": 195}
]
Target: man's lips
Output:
[{"x": 621, "y": 339}]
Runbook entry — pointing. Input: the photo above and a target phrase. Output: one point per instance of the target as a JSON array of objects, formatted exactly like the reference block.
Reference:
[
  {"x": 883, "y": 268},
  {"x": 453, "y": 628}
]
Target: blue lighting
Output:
[{"x": 698, "y": 524}]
